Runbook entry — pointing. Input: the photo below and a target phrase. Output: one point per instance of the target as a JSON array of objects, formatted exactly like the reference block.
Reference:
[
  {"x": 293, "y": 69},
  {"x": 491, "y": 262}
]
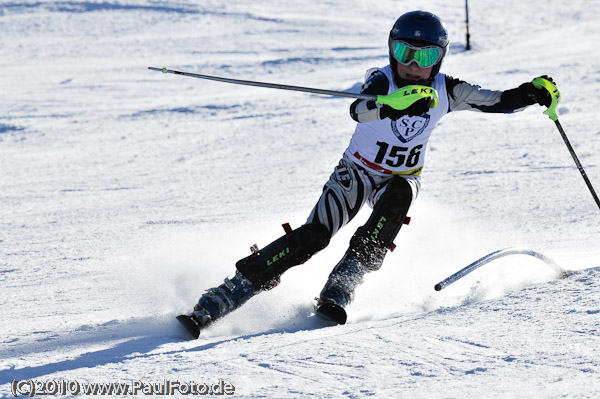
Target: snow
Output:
[{"x": 125, "y": 193}]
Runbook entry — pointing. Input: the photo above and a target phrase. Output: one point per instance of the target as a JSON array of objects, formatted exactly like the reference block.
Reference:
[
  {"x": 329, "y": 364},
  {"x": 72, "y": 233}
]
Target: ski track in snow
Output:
[{"x": 126, "y": 193}]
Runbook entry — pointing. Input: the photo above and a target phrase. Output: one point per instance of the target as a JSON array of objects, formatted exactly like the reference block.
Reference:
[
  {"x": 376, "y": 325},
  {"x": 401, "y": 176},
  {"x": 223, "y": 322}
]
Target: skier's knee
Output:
[
  {"x": 397, "y": 197},
  {"x": 265, "y": 267},
  {"x": 372, "y": 240}
]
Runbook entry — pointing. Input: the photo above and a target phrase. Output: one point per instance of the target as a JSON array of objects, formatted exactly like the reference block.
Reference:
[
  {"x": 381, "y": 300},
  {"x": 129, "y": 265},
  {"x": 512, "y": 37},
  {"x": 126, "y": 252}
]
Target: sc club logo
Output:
[{"x": 407, "y": 128}]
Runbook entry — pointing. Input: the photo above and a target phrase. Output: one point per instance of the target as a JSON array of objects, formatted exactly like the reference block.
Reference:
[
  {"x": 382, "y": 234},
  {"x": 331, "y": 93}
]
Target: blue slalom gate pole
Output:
[{"x": 499, "y": 254}]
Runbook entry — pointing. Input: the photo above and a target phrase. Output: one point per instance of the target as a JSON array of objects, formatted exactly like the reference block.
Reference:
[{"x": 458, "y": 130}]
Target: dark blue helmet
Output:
[{"x": 420, "y": 29}]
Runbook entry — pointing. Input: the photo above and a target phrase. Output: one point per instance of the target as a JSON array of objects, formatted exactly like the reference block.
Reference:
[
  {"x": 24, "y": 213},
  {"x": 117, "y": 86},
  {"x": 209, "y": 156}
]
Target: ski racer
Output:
[{"x": 381, "y": 166}]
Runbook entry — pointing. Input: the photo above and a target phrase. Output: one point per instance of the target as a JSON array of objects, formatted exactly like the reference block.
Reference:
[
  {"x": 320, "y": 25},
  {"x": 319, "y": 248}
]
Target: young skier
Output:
[{"x": 381, "y": 167}]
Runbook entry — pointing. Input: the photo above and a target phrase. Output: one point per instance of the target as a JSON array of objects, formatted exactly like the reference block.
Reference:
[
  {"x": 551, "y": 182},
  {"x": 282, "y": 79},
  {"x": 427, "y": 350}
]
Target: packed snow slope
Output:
[{"x": 125, "y": 193}]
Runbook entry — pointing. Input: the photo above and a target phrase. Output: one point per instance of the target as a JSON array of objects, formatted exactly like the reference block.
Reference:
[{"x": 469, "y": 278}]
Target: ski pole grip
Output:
[
  {"x": 542, "y": 83},
  {"x": 407, "y": 96}
]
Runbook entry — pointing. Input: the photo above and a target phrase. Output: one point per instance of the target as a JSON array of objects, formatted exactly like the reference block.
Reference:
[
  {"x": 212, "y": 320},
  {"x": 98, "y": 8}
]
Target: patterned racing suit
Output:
[
  {"x": 382, "y": 147},
  {"x": 381, "y": 166}
]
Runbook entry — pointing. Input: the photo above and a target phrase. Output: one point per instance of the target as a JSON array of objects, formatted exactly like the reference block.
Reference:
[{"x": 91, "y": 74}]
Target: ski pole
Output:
[
  {"x": 561, "y": 273},
  {"x": 400, "y": 99},
  {"x": 551, "y": 112},
  {"x": 468, "y": 45}
]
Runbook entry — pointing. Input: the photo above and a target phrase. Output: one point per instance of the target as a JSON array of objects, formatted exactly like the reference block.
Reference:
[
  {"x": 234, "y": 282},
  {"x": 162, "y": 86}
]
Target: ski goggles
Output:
[{"x": 426, "y": 57}]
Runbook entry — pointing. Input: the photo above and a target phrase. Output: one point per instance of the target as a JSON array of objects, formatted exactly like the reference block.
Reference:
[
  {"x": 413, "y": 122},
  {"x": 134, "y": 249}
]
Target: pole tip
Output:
[{"x": 438, "y": 287}]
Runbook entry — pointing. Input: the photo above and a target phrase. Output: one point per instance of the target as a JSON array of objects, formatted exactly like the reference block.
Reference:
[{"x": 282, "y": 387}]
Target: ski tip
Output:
[
  {"x": 332, "y": 313},
  {"x": 189, "y": 324}
]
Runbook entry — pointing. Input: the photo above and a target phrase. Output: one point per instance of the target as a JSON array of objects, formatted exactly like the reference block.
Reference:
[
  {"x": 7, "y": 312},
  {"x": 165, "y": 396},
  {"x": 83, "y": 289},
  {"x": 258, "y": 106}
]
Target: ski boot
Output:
[
  {"x": 258, "y": 272},
  {"x": 368, "y": 248},
  {"x": 217, "y": 302},
  {"x": 346, "y": 276}
]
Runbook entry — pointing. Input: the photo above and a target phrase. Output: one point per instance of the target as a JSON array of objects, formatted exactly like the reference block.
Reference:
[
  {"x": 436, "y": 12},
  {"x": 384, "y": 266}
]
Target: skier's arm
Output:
[
  {"x": 364, "y": 111},
  {"x": 367, "y": 110},
  {"x": 465, "y": 96}
]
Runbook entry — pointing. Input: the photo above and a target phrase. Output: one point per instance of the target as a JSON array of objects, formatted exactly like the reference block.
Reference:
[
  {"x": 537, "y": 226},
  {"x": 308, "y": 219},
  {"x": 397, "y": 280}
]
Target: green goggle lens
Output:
[{"x": 424, "y": 56}]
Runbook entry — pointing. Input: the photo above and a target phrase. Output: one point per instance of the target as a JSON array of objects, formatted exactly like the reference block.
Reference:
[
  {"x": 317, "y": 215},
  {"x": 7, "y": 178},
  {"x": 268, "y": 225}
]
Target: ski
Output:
[
  {"x": 331, "y": 313},
  {"x": 190, "y": 324}
]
